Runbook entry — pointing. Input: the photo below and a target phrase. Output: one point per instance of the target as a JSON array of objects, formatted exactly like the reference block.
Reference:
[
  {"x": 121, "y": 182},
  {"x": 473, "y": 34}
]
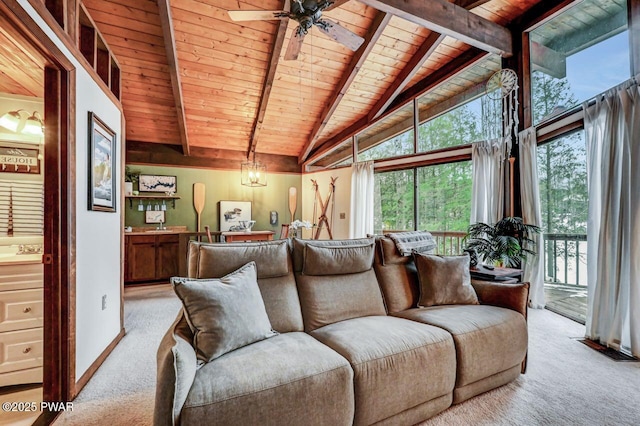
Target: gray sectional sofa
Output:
[{"x": 352, "y": 348}]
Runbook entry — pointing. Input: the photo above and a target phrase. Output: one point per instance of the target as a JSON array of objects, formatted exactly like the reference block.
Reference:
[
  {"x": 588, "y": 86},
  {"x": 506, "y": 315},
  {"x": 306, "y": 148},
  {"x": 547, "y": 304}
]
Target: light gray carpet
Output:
[{"x": 566, "y": 383}]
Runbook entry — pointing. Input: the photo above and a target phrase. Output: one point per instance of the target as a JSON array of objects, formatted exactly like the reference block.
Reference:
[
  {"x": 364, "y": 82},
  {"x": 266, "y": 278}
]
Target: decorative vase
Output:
[{"x": 128, "y": 188}]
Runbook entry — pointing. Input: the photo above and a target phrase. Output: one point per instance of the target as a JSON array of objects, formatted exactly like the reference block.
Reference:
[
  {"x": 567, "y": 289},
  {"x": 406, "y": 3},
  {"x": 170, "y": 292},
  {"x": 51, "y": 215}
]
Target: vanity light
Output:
[
  {"x": 34, "y": 125},
  {"x": 11, "y": 120}
]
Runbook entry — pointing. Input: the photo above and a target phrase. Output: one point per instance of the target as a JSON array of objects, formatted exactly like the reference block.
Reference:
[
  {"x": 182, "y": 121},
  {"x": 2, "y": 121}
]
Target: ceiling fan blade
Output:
[
  {"x": 340, "y": 34},
  {"x": 336, "y": 3},
  {"x": 295, "y": 44},
  {"x": 255, "y": 15}
]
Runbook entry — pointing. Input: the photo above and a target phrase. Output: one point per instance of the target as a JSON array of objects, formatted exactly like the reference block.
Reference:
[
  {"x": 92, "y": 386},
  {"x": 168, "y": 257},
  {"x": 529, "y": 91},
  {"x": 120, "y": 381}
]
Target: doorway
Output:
[{"x": 34, "y": 88}]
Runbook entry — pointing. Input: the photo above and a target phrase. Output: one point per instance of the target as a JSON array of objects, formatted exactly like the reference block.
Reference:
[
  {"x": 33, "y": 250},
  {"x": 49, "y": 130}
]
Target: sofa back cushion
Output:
[
  {"x": 336, "y": 281},
  {"x": 397, "y": 276},
  {"x": 275, "y": 275}
]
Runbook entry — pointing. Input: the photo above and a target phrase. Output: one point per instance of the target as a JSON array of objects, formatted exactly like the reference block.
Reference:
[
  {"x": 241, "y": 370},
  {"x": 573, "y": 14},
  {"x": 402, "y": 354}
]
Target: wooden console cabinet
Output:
[{"x": 151, "y": 257}]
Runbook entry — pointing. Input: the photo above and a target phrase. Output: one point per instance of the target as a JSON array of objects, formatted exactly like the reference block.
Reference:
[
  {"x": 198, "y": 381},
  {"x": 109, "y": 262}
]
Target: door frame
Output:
[{"x": 59, "y": 207}]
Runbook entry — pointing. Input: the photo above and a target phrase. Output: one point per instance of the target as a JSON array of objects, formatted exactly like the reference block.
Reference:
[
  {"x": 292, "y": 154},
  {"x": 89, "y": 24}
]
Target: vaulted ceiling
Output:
[{"x": 193, "y": 78}]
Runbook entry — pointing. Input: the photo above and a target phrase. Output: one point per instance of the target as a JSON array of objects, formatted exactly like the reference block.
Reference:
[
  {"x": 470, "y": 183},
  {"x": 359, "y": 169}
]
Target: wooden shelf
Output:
[{"x": 173, "y": 198}]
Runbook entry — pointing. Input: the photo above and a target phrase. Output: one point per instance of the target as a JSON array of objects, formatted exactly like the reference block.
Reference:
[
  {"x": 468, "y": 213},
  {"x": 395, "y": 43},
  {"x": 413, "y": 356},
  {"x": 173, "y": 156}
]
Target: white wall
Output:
[
  {"x": 98, "y": 234},
  {"x": 339, "y": 227}
]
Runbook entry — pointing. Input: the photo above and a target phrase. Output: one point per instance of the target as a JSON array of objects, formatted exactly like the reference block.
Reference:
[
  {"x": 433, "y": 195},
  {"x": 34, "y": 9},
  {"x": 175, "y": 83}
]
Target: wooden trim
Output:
[
  {"x": 357, "y": 61},
  {"x": 567, "y": 128},
  {"x": 69, "y": 43},
  {"x": 204, "y": 158},
  {"x": 70, "y": 121},
  {"x": 422, "y": 163},
  {"x": 72, "y": 18},
  {"x": 427, "y": 48},
  {"x": 526, "y": 117},
  {"x": 633, "y": 11},
  {"x": 270, "y": 75},
  {"x": 164, "y": 8},
  {"x": 81, "y": 383},
  {"x": 451, "y": 20}
]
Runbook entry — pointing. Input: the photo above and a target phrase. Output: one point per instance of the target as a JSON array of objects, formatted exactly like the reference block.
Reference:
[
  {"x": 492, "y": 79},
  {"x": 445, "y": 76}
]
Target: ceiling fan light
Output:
[
  {"x": 10, "y": 120},
  {"x": 34, "y": 125}
]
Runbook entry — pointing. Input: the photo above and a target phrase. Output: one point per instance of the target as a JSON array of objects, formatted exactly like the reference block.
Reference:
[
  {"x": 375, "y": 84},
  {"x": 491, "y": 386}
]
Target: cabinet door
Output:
[
  {"x": 167, "y": 251},
  {"x": 141, "y": 257}
]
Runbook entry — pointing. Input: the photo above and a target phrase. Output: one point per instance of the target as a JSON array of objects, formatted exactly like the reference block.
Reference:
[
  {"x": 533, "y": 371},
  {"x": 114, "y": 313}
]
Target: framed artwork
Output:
[
  {"x": 102, "y": 166},
  {"x": 231, "y": 213},
  {"x": 19, "y": 160},
  {"x": 156, "y": 183},
  {"x": 154, "y": 216}
]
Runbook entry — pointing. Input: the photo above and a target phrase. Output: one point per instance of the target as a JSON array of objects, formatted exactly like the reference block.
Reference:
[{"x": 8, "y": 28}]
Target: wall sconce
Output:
[
  {"x": 33, "y": 125},
  {"x": 253, "y": 173}
]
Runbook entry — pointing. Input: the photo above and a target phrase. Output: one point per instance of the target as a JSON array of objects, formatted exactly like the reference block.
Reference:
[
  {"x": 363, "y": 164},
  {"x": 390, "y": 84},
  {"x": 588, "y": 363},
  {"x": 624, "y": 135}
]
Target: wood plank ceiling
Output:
[{"x": 239, "y": 94}]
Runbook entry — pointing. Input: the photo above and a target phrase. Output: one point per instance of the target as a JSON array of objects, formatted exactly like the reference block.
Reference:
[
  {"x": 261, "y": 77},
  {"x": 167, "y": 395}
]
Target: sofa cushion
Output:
[
  {"x": 224, "y": 314},
  {"x": 217, "y": 260},
  {"x": 397, "y": 276},
  {"x": 340, "y": 260},
  {"x": 488, "y": 339},
  {"x": 298, "y": 246},
  {"x": 444, "y": 280},
  {"x": 272, "y": 259},
  {"x": 288, "y": 379},
  {"x": 397, "y": 364},
  {"x": 333, "y": 298}
]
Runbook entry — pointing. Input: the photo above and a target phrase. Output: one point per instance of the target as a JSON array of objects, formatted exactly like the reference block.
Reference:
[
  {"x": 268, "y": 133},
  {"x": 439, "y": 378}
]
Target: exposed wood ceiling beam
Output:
[
  {"x": 451, "y": 20},
  {"x": 224, "y": 159},
  {"x": 276, "y": 50},
  {"x": 450, "y": 70},
  {"x": 416, "y": 62},
  {"x": 164, "y": 8},
  {"x": 413, "y": 66},
  {"x": 373, "y": 34}
]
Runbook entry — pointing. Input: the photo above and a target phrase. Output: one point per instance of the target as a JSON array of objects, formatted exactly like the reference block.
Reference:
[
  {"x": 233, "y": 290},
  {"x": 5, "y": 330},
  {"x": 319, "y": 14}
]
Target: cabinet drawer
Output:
[
  {"x": 20, "y": 350},
  {"x": 21, "y": 309},
  {"x": 18, "y": 277},
  {"x": 168, "y": 238}
]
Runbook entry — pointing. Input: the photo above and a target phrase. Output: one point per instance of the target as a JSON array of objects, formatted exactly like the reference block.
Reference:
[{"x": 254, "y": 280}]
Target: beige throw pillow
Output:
[
  {"x": 444, "y": 280},
  {"x": 224, "y": 314}
]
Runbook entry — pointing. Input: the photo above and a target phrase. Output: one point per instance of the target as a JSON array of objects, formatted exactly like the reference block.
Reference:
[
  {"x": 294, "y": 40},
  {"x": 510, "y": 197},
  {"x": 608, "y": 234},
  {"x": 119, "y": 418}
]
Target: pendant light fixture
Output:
[{"x": 253, "y": 173}]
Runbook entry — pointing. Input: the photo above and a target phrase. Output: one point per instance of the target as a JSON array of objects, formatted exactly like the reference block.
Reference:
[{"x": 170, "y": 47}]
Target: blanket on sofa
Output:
[{"x": 407, "y": 242}]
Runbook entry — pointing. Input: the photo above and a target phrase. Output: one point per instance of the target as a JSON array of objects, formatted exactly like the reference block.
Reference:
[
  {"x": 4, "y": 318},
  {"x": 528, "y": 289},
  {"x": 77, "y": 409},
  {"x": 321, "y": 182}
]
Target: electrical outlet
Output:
[
  {"x": 104, "y": 302},
  {"x": 343, "y": 215}
]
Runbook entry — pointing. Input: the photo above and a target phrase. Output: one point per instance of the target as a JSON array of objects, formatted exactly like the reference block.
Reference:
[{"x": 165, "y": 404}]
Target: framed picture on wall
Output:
[
  {"x": 102, "y": 166},
  {"x": 154, "y": 216},
  {"x": 157, "y": 183},
  {"x": 232, "y": 213}
]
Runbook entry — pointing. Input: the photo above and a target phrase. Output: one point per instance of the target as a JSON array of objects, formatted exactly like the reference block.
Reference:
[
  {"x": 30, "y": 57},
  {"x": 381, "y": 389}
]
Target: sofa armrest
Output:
[
  {"x": 510, "y": 296},
  {"x": 177, "y": 365}
]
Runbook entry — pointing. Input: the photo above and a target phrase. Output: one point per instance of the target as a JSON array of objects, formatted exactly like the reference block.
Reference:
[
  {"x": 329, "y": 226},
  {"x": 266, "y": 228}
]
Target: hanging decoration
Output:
[
  {"x": 324, "y": 220},
  {"x": 500, "y": 108}
]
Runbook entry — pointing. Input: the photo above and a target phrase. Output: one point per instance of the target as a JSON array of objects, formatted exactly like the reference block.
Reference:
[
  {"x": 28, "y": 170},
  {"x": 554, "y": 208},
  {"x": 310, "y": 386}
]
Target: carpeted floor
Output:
[{"x": 566, "y": 383}]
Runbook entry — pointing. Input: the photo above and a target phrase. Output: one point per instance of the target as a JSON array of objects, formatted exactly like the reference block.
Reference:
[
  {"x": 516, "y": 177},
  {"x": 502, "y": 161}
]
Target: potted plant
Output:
[
  {"x": 130, "y": 177},
  {"x": 507, "y": 243}
]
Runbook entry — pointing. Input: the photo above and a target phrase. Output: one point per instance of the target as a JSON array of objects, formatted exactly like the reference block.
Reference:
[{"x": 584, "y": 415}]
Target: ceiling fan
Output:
[{"x": 307, "y": 13}]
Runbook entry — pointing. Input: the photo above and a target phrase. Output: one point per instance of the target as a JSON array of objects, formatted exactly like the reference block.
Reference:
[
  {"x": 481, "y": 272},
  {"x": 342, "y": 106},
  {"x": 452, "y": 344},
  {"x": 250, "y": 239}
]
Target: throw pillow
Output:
[
  {"x": 444, "y": 280},
  {"x": 224, "y": 314}
]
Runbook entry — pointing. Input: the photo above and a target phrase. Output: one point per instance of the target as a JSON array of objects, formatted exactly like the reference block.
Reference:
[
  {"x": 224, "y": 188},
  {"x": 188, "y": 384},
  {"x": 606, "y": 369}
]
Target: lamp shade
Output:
[
  {"x": 253, "y": 173},
  {"x": 33, "y": 125},
  {"x": 10, "y": 120}
]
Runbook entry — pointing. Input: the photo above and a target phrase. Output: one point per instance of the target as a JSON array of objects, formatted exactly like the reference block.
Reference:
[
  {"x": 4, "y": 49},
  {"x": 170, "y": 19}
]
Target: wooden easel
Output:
[{"x": 323, "y": 219}]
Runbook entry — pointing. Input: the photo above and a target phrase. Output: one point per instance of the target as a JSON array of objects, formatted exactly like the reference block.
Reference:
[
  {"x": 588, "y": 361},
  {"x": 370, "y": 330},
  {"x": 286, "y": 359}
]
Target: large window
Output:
[
  {"x": 394, "y": 206},
  {"x": 444, "y": 197},
  {"x": 577, "y": 55},
  {"x": 459, "y": 126}
]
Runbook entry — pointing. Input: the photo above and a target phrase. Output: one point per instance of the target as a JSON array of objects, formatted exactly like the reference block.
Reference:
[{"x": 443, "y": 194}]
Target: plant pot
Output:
[{"x": 128, "y": 188}]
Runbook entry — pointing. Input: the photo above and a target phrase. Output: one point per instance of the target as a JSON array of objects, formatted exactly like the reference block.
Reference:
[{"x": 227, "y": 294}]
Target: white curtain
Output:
[
  {"x": 362, "y": 187},
  {"x": 530, "y": 195},
  {"x": 612, "y": 135},
  {"x": 487, "y": 158}
]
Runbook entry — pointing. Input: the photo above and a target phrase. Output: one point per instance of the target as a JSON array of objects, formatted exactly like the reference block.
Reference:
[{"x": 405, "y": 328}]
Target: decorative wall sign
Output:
[
  {"x": 102, "y": 166},
  {"x": 154, "y": 216},
  {"x": 155, "y": 183},
  {"x": 232, "y": 212},
  {"x": 19, "y": 160}
]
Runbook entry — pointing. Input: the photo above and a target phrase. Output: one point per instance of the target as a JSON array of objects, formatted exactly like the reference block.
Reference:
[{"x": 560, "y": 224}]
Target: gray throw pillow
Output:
[
  {"x": 225, "y": 313},
  {"x": 444, "y": 280}
]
